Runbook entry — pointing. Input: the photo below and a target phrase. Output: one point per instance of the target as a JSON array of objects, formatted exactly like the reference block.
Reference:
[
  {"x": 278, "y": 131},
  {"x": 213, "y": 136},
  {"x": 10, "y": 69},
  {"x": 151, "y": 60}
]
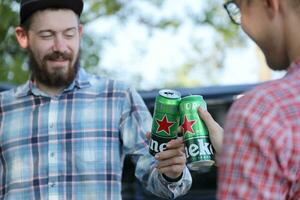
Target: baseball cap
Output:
[{"x": 28, "y": 7}]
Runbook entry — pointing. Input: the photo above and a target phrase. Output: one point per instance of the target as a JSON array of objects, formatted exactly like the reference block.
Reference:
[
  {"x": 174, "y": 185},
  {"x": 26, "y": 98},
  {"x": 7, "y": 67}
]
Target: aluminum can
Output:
[
  {"x": 198, "y": 148},
  {"x": 165, "y": 120}
]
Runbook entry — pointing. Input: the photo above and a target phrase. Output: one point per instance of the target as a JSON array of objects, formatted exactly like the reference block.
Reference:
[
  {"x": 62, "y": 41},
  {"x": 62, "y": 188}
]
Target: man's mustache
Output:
[{"x": 58, "y": 55}]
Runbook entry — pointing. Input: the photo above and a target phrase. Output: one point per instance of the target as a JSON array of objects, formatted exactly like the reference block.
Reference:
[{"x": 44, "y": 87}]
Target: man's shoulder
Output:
[
  {"x": 8, "y": 95},
  {"x": 260, "y": 97},
  {"x": 269, "y": 92},
  {"x": 99, "y": 83},
  {"x": 106, "y": 84}
]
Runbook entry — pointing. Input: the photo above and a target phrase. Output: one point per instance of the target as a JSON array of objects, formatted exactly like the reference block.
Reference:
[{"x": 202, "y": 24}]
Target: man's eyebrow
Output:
[
  {"x": 69, "y": 29},
  {"x": 46, "y": 30},
  {"x": 52, "y": 31}
]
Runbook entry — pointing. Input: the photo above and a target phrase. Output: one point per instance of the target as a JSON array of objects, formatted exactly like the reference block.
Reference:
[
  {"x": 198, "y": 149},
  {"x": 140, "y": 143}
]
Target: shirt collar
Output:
[{"x": 81, "y": 81}]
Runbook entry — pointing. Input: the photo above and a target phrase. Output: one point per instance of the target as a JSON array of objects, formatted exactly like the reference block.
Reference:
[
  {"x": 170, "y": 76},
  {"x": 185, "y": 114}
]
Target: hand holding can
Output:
[{"x": 198, "y": 148}]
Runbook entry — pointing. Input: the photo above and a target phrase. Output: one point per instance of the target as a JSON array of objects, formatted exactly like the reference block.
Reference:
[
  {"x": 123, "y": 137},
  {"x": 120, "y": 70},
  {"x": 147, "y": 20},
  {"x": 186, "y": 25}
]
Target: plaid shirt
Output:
[
  {"x": 72, "y": 146},
  {"x": 261, "y": 152}
]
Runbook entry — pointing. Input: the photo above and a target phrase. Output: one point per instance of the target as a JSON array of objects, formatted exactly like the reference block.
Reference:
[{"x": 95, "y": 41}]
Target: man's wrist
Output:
[{"x": 172, "y": 179}]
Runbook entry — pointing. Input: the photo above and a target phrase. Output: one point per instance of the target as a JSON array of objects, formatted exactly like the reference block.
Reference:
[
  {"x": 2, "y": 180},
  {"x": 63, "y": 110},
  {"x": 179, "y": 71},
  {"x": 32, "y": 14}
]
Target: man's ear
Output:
[
  {"x": 80, "y": 30},
  {"x": 22, "y": 37}
]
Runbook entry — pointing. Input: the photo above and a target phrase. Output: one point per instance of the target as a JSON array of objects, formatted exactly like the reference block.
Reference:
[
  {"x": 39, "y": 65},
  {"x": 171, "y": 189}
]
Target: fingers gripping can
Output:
[
  {"x": 198, "y": 148},
  {"x": 165, "y": 120}
]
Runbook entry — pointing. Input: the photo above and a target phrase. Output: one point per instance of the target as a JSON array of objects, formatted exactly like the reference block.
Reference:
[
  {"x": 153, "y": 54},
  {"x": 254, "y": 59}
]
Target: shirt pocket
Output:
[{"x": 89, "y": 156}]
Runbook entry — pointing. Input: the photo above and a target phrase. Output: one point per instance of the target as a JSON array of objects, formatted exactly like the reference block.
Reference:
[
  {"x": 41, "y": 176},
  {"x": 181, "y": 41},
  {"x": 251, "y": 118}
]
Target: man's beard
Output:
[{"x": 57, "y": 78}]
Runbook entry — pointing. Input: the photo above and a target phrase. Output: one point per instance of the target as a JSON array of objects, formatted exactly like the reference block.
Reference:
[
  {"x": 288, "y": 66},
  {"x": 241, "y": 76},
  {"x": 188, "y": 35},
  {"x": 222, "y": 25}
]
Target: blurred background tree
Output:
[{"x": 13, "y": 62}]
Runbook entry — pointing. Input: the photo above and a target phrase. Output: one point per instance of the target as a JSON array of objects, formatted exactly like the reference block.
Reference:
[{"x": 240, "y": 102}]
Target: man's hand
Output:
[
  {"x": 215, "y": 130},
  {"x": 171, "y": 162}
]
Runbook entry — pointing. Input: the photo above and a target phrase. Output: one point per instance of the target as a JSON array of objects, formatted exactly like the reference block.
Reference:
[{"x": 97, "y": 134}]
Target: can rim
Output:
[
  {"x": 170, "y": 94},
  {"x": 200, "y": 164},
  {"x": 193, "y": 97}
]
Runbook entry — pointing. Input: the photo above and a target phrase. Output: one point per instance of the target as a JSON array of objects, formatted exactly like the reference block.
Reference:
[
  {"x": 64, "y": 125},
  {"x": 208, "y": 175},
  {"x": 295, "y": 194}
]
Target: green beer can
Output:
[
  {"x": 198, "y": 148},
  {"x": 165, "y": 120}
]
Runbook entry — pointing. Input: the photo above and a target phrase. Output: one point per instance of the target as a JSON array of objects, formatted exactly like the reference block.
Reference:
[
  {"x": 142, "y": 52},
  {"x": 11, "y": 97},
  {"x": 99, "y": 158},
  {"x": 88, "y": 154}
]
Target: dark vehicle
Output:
[{"x": 218, "y": 99}]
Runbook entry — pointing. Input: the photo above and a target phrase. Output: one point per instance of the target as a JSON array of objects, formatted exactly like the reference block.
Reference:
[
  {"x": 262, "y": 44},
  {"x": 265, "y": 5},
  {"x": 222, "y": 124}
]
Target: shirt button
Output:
[
  {"x": 52, "y": 154},
  {"x": 52, "y": 184},
  {"x": 172, "y": 186},
  {"x": 51, "y": 125}
]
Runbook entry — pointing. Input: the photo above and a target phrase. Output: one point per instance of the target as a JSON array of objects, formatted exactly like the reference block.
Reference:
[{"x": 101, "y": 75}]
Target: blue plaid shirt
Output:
[{"x": 72, "y": 146}]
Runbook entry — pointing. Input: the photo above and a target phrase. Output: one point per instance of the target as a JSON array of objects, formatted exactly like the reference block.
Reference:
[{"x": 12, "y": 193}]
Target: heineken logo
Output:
[
  {"x": 200, "y": 148},
  {"x": 187, "y": 125},
  {"x": 156, "y": 146},
  {"x": 164, "y": 125}
]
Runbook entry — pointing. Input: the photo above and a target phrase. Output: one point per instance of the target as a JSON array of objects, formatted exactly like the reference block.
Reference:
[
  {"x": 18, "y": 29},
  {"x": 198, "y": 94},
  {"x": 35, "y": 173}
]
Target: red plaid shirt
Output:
[{"x": 261, "y": 152}]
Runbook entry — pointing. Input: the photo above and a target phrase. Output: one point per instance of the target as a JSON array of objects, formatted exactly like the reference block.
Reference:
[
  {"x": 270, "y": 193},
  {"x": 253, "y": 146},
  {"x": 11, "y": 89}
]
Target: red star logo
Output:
[
  {"x": 164, "y": 125},
  {"x": 187, "y": 125}
]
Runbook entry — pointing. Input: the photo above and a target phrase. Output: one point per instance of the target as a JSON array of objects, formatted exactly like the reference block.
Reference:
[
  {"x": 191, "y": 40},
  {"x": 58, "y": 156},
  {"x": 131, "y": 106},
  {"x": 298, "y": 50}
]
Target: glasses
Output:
[{"x": 233, "y": 11}]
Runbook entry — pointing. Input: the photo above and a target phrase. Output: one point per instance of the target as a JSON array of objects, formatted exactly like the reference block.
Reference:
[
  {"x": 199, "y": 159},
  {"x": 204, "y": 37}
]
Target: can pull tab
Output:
[
  {"x": 172, "y": 94},
  {"x": 169, "y": 93}
]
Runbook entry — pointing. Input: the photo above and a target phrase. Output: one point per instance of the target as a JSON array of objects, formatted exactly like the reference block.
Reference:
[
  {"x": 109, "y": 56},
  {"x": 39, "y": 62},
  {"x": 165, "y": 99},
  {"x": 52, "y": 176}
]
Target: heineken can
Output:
[
  {"x": 198, "y": 149},
  {"x": 165, "y": 120}
]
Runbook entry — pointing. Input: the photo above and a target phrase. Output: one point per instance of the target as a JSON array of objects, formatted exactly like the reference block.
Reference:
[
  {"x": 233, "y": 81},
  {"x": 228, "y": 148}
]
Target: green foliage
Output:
[
  {"x": 95, "y": 9},
  {"x": 14, "y": 69},
  {"x": 227, "y": 35},
  {"x": 11, "y": 57},
  {"x": 216, "y": 17}
]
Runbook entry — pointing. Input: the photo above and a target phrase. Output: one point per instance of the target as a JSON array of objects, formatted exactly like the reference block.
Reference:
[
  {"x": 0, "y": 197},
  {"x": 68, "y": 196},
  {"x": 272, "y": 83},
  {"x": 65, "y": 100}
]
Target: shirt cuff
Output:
[
  {"x": 170, "y": 184},
  {"x": 172, "y": 180}
]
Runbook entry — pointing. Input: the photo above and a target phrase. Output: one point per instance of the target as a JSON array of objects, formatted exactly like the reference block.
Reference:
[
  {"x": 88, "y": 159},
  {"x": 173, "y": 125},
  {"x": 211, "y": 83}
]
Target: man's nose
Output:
[{"x": 60, "y": 44}]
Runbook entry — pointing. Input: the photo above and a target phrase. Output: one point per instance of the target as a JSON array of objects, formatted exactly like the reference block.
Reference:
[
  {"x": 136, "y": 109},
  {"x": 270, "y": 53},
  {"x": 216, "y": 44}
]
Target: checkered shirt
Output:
[
  {"x": 261, "y": 152},
  {"x": 72, "y": 146}
]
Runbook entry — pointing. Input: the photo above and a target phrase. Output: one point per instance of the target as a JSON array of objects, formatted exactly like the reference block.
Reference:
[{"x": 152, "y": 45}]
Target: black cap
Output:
[{"x": 28, "y": 7}]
